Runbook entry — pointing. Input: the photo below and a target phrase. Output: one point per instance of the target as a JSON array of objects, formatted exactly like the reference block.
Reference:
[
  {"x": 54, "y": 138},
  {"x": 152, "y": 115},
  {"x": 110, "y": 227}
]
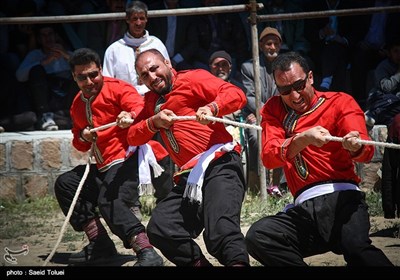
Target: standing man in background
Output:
[
  {"x": 119, "y": 59},
  {"x": 270, "y": 45}
]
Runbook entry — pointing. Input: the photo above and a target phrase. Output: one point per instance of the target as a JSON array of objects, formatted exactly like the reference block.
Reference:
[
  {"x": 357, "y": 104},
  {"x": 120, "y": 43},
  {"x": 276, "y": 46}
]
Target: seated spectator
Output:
[
  {"x": 178, "y": 33},
  {"x": 49, "y": 78},
  {"x": 384, "y": 100},
  {"x": 369, "y": 50},
  {"x": 330, "y": 39},
  {"x": 292, "y": 31},
  {"x": 221, "y": 32},
  {"x": 220, "y": 64},
  {"x": 15, "y": 108},
  {"x": 99, "y": 35}
]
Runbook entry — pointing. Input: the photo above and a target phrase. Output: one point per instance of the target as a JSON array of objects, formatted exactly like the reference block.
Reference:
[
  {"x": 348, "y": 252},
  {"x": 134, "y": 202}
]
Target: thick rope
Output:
[
  {"x": 257, "y": 127},
  {"x": 78, "y": 191},
  {"x": 71, "y": 208},
  {"x": 366, "y": 142},
  {"x": 102, "y": 127},
  {"x": 214, "y": 119}
]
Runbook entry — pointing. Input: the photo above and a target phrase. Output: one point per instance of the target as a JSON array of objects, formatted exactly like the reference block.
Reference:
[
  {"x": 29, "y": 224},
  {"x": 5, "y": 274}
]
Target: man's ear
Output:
[
  {"x": 311, "y": 77},
  {"x": 168, "y": 63}
]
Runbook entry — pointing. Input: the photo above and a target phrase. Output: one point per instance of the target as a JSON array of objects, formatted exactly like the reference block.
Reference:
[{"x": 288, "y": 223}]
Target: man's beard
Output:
[
  {"x": 224, "y": 76},
  {"x": 271, "y": 55},
  {"x": 168, "y": 85}
]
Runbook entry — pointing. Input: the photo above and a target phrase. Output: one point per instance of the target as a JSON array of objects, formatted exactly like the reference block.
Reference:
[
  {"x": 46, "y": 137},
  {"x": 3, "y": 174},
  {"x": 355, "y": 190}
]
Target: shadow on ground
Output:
[
  {"x": 117, "y": 260},
  {"x": 393, "y": 232}
]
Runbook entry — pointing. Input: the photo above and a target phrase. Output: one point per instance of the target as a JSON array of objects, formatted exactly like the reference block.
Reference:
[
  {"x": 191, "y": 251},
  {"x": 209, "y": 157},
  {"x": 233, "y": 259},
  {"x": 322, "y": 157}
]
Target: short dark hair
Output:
[
  {"x": 283, "y": 62},
  {"x": 84, "y": 56},
  {"x": 135, "y": 7},
  {"x": 153, "y": 51}
]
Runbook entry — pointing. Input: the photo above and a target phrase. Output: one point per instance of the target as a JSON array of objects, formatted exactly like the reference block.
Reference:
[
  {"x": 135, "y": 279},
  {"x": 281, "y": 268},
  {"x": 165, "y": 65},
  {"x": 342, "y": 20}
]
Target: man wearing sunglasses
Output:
[
  {"x": 113, "y": 181},
  {"x": 329, "y": 211}
]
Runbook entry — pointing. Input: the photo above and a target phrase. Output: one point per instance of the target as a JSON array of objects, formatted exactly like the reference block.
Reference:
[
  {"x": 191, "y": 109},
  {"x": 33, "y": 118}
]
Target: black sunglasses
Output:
[
  {"x": 297, "y": 86},
  {"x": 91, "y": 75}
]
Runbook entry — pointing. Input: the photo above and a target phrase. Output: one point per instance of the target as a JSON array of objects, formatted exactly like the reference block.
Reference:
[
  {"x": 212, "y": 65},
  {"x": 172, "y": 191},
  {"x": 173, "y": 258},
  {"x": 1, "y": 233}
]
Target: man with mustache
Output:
[
  {"x": 329, "y": 211},
  {"x": 270, "y": 43},
  {"x": 210, "y": 186}
]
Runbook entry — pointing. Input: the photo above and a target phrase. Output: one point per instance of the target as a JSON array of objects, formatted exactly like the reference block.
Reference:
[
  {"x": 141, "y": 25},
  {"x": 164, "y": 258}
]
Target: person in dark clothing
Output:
[{"x": 390, "y": 186}]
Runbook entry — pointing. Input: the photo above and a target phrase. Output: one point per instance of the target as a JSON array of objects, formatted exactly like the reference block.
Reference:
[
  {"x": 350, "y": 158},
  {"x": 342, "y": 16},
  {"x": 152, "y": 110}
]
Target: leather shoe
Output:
[
  {"x": 149, "y": 257},
  {"x": 96, "y": 251}
]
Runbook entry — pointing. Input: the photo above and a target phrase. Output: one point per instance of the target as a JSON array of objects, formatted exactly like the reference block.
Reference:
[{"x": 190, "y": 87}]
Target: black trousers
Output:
[
  {"x": 113, "y": 192},
  {"x": 162, "y": 184},
  {"x": 390, "y": 188},
  {"x": 337, "y": 222},
  {"x": 175, "y": 222}
]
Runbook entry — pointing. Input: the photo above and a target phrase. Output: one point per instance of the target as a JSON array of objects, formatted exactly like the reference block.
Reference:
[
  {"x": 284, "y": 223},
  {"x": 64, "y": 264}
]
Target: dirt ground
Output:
[{"x": 384, "y": 234}]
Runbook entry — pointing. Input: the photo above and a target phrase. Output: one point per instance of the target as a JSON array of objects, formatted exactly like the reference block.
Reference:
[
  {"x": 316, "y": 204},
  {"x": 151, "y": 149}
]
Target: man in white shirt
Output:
[{"x": 119, "y": 59}]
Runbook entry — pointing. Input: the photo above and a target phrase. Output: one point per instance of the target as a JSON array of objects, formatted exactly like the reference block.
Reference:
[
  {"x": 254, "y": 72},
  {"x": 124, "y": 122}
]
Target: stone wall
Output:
[{"x": 31, "y": 161}]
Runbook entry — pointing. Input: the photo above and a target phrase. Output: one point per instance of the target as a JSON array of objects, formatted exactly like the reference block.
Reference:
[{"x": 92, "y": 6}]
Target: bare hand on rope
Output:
[
  {"x": 319, "y": 136},
  {"x": 163, "y": 119},
  {"x": 351, "y": 142},
  {"x": 125, "y": 119},
  {"x": 202, "y": 113},
  {"x": 315, "y": 136}
]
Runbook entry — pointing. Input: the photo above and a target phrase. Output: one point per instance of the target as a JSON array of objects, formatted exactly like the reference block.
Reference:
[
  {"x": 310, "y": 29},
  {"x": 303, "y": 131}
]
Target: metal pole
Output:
[
  {"x": 121, "y": 16},
  {"x": 321, "y": 14},
  {"x": 257, "y": 86},
  {"x": 198, "y": 11}
]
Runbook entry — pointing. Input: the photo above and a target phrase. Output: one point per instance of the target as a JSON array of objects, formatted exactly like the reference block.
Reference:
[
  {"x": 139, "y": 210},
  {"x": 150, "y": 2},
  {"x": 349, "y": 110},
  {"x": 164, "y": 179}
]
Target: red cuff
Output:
[
  {"x": 151, "y": 126},
  {"x": 214, "y": 108}
]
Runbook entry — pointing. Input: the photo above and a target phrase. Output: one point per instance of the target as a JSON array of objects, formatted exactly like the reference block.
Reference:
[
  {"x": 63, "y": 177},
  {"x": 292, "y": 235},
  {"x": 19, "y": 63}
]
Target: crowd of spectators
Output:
[{"x": 342, "y": 55}]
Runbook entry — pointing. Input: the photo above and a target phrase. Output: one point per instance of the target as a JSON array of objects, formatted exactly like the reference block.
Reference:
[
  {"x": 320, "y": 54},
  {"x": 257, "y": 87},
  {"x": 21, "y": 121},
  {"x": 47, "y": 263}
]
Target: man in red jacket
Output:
[
  {"x": 210, "y": 186},
  {"x": 112, "y": 183},
  {"x": 329, "y": 211}
]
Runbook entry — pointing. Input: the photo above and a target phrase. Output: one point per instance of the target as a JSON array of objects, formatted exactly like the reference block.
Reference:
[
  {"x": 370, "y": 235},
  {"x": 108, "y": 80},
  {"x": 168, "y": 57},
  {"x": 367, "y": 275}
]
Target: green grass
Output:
[
  {"x": 29, "y": 217},
  {"x": 374, "y": 201},
  {"x": 254, "y": 208}
]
